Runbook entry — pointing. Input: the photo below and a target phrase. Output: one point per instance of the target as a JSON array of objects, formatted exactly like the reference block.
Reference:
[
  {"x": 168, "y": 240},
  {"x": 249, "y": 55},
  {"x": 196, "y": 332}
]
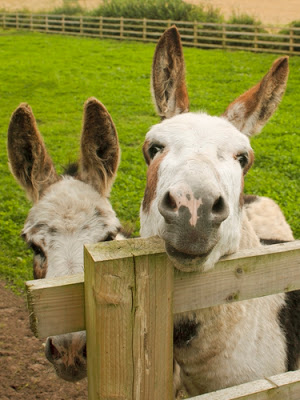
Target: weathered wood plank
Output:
[
  {"x": 129, "y": 319},
  {"x": 241, "y": 276},
  {"x": 109, "y": 305},
  {"x": 153, "y": 328},
  {"x": 56, "y": 305},
  {"x": 279, "y": 387},
  {"x": 244, "y": 275}
]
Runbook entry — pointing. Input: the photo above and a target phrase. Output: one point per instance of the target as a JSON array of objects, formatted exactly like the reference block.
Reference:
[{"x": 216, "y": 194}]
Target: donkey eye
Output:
[
  {"x": 37, "y": 250},
  {"x": 242, "y": 159},
  {"x": 154, "y": 149}
]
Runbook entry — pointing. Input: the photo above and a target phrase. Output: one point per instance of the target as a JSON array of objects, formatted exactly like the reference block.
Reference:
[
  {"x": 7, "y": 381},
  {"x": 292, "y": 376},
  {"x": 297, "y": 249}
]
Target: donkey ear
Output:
[
  {"x": 29, "y": 161},
  {"x": 100, "y": 152},
  {"x": 250, "y": 112},
  {"x": 168, "y": 76}
]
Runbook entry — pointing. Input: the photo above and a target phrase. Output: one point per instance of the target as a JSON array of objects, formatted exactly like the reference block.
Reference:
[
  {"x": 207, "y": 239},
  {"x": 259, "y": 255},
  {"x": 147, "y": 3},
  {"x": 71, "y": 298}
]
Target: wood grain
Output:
[
  {"x": 129, "y": 321},
  {"x": 279, "y": 387}
]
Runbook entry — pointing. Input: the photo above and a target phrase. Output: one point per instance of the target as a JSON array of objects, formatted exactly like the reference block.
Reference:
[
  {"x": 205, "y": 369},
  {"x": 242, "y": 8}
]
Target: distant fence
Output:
[{"x": 257, "y": 38}]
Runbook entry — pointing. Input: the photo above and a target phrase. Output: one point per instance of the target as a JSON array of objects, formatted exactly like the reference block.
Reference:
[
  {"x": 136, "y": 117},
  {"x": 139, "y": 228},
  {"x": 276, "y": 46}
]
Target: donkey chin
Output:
[
  {"x": 203, "y": 254},
  {"x": 195, "y": 262},
  {"x": 187, "y": 262}
]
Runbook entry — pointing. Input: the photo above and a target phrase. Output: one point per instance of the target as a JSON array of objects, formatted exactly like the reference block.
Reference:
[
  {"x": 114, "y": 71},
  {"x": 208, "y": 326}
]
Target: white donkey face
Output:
[
  {"x": 196, "y": 163},
  {"x": 68, "y": 211},
  {"x": 70, "y": 214}
]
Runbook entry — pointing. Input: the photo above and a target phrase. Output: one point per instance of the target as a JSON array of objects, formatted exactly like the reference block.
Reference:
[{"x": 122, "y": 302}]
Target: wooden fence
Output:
[
  {"x": 274, "y": 39},
  {"x": 126, "y": 302}
]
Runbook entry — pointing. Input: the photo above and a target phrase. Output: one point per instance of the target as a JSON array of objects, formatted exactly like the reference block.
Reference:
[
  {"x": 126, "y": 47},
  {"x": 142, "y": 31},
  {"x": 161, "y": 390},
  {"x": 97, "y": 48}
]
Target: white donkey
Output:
[
  {"x": 68, "y": 210},
  {"x": 194, "y": 201}
]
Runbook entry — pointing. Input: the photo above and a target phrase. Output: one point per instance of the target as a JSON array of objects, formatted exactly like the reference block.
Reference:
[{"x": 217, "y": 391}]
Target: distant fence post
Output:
[
  {"x": 101, "y": 27},
  {"x": 47, "y": 23},
  {"x": 17, "y": 21},
  {"x": 121, "y": 27},
  {"x": 169, "y": 23},
  {"x": 80, "y": 25},
  {"x": 291, "y": 40},
  {"x": 195, "y": 32},
  {"x": 63, "y": 23},
  {"x": 144, "y": 28},
  {"x": 3, "y": 21},
  {"x": 255, "y": 38},
  {"x": 30, "y": 23},
  {"x": 223, "y": 36},
  {"x": 129, "y": 324}
]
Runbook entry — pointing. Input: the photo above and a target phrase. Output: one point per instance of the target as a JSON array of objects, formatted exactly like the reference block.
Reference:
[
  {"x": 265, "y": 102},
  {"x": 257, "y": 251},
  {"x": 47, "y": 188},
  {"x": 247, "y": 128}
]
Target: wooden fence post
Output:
[
  {"x": 80, "y": 25},
  {"x": 129, "y": 319},
  {"x": 291, "y": 40},
  {"x": 255, "y": 38},
  {"x": 17, "y": 21},
  {"x": 30, "y": 23},
  {"x": 144, "y": 28},
  {"x": 63, "y": 23},
  {"x": 223, "y": 36},
  {"x": 101, "y": 27},
  {"x": 121, "y": 27},
  {"x": 47, "y": 23},
  {"x": 195, "y": 32}
]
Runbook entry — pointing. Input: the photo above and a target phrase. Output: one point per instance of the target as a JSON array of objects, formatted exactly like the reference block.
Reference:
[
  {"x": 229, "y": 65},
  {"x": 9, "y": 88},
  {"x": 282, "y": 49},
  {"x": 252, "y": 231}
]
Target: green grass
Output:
[{"x": 56, "y": 74}]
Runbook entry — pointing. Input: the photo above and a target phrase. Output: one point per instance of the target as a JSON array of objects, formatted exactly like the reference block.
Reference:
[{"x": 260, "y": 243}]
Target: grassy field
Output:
[{"x": 56, "y": 74}]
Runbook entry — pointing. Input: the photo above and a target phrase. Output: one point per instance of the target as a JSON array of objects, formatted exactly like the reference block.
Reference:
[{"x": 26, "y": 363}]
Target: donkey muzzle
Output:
[{"x": 192, "y": 218}]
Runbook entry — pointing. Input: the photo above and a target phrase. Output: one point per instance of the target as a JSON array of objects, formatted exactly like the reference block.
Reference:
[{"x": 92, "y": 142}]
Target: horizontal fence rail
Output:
[
  {"x": 244, "y": 275},
  {"x": 257, "y": 38}
]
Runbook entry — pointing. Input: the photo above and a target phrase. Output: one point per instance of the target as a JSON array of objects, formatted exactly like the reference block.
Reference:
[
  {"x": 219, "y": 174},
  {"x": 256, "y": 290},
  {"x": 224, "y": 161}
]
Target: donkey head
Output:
[
  {"x": 68, "y": 211},
  {"x": 196, "y": 163}
]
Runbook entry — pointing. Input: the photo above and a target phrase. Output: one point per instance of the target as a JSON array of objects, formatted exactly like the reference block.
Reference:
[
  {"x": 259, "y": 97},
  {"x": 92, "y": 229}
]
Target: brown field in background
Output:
[{"x": 268, "y": 11}]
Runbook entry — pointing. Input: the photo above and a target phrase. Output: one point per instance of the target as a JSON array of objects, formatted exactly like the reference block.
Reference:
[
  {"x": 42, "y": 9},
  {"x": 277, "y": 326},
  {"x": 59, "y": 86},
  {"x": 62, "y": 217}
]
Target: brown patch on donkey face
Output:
[
  {"x": 40, "y": 267},
  {"x": 99, "y": 147},
  {"x": 145, "y": 152},
  {"x": 168, "y": 76},
  {"x": 152, "y": 179},
  {"x": 30, "y": 163}
]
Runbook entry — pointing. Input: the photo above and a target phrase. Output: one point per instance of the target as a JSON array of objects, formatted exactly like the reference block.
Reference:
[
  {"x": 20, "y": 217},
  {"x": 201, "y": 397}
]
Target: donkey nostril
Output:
[
  {"x": 220, "y": 210},
  {"x": 218, "y": 206},
  {"x": 169, "y": 202}
]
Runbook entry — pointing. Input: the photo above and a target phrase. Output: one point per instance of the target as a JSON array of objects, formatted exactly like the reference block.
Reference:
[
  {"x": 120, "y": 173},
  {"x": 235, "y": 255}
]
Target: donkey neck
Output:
[{"x": 249, "y": 238}]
